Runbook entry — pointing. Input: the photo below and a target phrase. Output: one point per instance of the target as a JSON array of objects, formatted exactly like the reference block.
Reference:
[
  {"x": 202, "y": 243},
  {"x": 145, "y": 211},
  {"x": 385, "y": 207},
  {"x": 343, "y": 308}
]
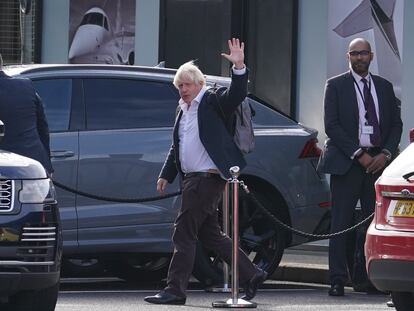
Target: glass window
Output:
[
  {"x": 56, "y": 97},
  {"x": 92, "y": 19},
  {"x": 265, "y": 116},
  {"x": 123, "y": 103}
]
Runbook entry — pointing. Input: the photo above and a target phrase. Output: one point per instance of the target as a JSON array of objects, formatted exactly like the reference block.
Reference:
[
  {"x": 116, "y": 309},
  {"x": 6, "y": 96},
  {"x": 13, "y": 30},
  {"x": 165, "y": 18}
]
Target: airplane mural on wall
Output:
[{"x": 97, "y": 40}]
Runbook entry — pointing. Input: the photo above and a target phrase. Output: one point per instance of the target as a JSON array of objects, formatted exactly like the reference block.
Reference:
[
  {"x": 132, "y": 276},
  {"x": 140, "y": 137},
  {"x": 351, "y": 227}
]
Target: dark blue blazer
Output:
[
  {"x": 213, "y": 133},
  {"x": 26, "y": 129},
  {"x": 341, "y": 118}
]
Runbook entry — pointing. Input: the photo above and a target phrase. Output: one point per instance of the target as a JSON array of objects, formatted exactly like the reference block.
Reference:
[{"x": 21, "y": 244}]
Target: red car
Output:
[{"x": 389, "y": 246}]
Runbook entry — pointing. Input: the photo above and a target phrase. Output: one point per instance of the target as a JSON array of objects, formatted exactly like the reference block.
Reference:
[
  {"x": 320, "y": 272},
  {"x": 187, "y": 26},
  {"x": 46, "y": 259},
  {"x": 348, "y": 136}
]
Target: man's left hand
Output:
[
  {"x": 377, "y": 164},
  {"x": 236, "y": 55}
]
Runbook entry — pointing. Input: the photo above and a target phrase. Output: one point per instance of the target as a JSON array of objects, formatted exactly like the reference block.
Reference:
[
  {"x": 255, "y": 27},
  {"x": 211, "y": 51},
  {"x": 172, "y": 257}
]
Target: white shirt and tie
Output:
[{"x": 364, "y": 138}]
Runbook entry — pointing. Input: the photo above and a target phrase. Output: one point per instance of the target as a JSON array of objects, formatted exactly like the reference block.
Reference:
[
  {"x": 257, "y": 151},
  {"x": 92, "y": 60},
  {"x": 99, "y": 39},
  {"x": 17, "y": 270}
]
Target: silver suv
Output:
[{"x": 111, "y": 128}]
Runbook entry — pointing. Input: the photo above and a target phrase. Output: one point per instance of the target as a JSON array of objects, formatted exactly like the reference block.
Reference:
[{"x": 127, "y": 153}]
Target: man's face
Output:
[
  {"x": 360, "y": 57},
  {"x": 189, "y": 90}
]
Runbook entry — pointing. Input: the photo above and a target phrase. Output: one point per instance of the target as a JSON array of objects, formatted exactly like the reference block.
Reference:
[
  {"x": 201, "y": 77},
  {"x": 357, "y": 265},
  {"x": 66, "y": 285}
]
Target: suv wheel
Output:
[
  {"x": 261, "y": 240},
  {"x": 81, "y": 267},
  {"x": 140, "y": 268},
  {"x": 36, "y": 300}
]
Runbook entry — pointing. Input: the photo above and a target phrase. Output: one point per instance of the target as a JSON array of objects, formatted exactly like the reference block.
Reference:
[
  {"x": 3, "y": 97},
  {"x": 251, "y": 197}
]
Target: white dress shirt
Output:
[
  {"x": 193, "y": 155},
  {"x": 364, "y": 139}
]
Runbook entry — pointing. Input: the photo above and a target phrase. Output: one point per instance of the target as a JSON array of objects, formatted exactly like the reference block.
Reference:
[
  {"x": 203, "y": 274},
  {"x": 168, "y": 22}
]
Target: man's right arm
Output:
[{"x": 235, "y": 94}]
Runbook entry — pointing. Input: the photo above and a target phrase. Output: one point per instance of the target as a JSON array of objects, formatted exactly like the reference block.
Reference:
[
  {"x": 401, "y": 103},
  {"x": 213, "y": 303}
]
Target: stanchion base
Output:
[{"x": 230, "y": 303}]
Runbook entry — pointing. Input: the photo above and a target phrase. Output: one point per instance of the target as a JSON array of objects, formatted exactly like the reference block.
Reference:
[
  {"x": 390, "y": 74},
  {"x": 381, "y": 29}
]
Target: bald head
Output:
[
  {"x": 360, "y": 56},
  {"x": 359, "y": 43}
]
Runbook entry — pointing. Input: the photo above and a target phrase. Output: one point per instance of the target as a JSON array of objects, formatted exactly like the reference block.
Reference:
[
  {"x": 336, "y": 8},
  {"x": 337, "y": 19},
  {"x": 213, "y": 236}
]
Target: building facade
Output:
[{"x": 288, "y": 48}]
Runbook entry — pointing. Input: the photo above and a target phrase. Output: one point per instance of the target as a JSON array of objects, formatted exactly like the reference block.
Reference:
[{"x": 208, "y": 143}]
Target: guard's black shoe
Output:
[
  {"x": 390, "y": 304},
  {"x": 337, "y": 289},
  {"x": 164, "y": 298},
  {"x": 253, "y": 284}
]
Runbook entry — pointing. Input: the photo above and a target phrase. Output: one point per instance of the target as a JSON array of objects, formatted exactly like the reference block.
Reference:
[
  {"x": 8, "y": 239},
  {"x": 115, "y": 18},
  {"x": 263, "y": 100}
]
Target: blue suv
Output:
[
  {"x": 30, "y": 235},
  {"x": 111, "y": 127}
]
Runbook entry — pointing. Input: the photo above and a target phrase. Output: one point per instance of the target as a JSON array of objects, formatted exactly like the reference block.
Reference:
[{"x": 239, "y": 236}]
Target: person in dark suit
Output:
[
  {"x": 21, "y": 110},
  {"x": 363, "y": 124},
  {"x": 202, "y": 153}
]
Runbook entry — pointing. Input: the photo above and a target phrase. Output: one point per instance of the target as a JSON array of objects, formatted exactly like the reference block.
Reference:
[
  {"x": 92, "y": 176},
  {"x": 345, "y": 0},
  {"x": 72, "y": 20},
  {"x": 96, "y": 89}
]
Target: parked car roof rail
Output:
[{"x": 46, "y": 67}]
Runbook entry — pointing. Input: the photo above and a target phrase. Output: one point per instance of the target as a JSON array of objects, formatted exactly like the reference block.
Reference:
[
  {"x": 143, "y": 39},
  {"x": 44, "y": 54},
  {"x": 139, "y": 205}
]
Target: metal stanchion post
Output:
[
  {"x": 225, "y": 211},
  {"x": 235, "y": 301}
]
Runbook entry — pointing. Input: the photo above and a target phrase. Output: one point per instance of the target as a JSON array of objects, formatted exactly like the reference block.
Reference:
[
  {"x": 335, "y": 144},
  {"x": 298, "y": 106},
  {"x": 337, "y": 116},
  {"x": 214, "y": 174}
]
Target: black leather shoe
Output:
[
  {"x": 337, "y": 289},
  {"x": 164, "y": 298},
  {"x": 390, "y": 304},
  {"x": 253, "y": 284}
]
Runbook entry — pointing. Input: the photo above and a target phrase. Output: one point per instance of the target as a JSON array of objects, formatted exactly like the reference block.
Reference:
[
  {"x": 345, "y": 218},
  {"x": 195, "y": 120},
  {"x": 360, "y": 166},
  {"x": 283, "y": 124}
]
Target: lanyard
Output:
[{"x": 360, "y": 93}]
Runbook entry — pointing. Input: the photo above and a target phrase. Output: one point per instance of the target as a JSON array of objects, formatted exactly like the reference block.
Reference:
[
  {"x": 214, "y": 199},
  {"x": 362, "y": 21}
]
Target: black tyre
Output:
[
  {"x": 262, "y": 240},
  {"x": 403, "y": 301},
  {"x": 88, "y": 267},
  {"x": 36, "y": 300},
  {"x": 140, "y": 268}
]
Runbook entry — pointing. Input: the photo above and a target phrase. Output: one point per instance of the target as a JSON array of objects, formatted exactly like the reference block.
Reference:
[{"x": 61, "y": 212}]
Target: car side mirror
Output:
[{"x": 2, "y": 129}]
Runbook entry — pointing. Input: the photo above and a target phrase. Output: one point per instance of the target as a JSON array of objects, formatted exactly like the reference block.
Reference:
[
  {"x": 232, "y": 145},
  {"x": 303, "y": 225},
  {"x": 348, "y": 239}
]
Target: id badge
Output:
[{"x": 368, "y": 129}]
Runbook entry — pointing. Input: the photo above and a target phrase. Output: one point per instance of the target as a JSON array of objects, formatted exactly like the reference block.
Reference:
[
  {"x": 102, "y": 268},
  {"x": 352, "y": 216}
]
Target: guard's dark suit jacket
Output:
[
  {"x": 213, "y": 133},
  {"x": 342, "y": 122},
  {"x": 26, "y": 129}
]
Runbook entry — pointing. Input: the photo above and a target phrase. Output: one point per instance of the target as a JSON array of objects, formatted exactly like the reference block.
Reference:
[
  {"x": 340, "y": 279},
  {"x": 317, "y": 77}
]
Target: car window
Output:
[
  {"x": 124, "y": 103},
  {"x": 56, "y": 97},
  {"x": 265, "y": 116}
]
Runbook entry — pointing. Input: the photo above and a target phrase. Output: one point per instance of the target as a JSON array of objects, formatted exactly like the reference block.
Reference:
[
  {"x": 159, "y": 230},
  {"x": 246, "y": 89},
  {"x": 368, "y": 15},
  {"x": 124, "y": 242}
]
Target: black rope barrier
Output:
[
  {"x": 255, "y": 201},
  {"x": 120, "y": 200},
  {"x": 284, "y": 226}
]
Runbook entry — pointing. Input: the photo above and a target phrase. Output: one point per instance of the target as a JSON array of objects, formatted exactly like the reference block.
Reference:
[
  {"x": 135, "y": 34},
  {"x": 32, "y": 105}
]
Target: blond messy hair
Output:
[{"x": 189, "y": 72}]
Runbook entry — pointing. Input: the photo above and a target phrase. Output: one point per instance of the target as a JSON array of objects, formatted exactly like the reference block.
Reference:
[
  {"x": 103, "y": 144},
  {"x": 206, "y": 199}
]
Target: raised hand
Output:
[{"x": 236, "y": 55}]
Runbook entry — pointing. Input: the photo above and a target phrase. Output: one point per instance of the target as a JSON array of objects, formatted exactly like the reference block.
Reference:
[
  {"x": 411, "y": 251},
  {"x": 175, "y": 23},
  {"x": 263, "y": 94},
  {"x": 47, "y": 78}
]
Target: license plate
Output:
[{"x": 403, "y": 209}]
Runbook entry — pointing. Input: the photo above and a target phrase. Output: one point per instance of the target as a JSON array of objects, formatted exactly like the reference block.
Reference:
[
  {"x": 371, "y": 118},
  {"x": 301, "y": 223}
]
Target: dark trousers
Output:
[
  {"x": 198, "y": 220},
  {"x": 346, "y": 190}
]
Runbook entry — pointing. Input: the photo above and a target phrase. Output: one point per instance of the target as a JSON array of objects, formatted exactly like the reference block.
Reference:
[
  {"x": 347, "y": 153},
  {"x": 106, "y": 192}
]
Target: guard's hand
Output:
[
  {"x": 161, "y": 185},
  {"x": 377, "y": 164},
  {"x": 236, "y": 55},
  {"x": 365, "y": 160}
]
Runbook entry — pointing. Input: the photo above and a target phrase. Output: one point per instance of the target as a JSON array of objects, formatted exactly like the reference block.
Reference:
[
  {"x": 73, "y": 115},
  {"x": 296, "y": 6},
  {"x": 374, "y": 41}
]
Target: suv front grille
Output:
[
  {"x": 38, "y": 244},
  {"x": 6, "y": 195}
]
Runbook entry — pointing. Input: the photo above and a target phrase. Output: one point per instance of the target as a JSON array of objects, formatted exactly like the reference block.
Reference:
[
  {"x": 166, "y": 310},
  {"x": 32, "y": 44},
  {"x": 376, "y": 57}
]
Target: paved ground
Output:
[{"x": 306, "y": 263}]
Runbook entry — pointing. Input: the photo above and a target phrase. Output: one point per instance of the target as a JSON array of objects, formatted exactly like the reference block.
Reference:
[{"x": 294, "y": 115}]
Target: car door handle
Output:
[{"x": 62, "y": 154}]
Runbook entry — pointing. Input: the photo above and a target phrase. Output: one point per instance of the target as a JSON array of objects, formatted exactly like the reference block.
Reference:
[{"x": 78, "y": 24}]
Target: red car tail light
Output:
[
  {"x": 394, "y": 207},
  {"x": 311, "y": 149}
]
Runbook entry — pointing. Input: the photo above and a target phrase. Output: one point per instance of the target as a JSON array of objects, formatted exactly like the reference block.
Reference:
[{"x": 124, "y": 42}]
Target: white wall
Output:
[
  {"x": 55, "y": 31},
  {"x": 147, "y": 32},
  {"x": 312, "y": 63}
]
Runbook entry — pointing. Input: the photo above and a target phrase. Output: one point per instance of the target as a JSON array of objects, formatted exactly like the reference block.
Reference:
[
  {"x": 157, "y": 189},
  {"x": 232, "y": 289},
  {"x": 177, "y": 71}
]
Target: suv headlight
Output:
[{"x": 37, "y": 191}]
